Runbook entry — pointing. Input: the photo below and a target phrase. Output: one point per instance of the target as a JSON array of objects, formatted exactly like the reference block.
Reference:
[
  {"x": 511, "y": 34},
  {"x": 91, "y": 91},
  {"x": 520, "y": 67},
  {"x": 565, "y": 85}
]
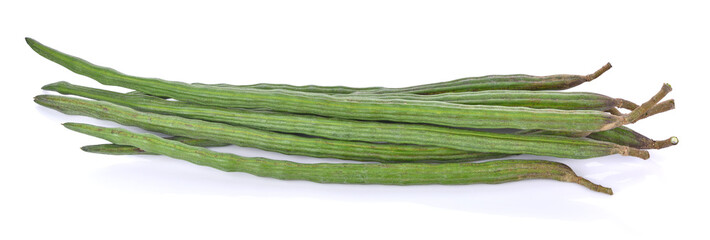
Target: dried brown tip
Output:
[
  {"x": 598, "y": 73},
  {"x": 665, "y": 143},
  {"x": 635, "y": 152},
  {"x": 660, "y": 108},
  {"x": 637, "y": 113},
  {"x": 594, "y": 187}
]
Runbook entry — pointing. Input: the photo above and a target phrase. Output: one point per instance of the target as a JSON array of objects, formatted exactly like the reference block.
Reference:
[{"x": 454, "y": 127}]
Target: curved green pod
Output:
[
  {"x": 391, "y": 174},
  {"x": 469, "y": 84},
  {"x": 466, "y": 140},
  {"x": 353, "y": 107},
  {"x": 499, "y": 82},
  {"x": 113, "y": 149},
  {"x": 266, "y": 140}
]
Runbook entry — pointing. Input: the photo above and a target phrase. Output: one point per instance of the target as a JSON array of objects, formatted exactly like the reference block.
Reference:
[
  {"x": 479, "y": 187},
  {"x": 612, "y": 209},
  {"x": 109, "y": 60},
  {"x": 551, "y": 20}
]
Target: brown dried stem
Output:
[
  {"x": 665, "y": 143},
  {"x": 660, "y": 108},
  {"x": 614, "y": 111},
  {"x": 598, "y": 73},
  {"x": 626, "y": 104},
  {"x": 638, "y": 113},
  {"x": 595, "y": 187},
  {"x": 635, "y": 152}
]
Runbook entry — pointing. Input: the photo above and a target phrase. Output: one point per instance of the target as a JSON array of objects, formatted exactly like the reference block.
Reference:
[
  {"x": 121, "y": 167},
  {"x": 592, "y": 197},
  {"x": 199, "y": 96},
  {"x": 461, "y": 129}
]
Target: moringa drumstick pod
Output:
[
  {"x": 266, "y": 140},
  {"x": 491, "y": 172},
  {"x": 466, "y": 140},
  {"x": 469, "y": 84},
  {"x": 462, "y": 139},
  {"x": 353, "y": 107}
]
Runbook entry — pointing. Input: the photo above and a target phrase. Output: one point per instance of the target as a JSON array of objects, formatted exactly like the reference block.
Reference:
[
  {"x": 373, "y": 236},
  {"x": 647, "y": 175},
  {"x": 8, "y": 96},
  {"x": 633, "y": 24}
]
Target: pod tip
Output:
[
  {"x": 75, "y": 126},
  {"x": 668, "y": 86},
  {"x": 54, "y": 86},
  {"x": 598, "y": 73},
  {"x": 30, "y": 41},
  {"x": 593, "y": 186},
  {"x": 635, "y": 152},
  {"x": 40, "y": 99},
  {"x": 86, "y": 149},
  {"x": 664, "y": 144},
  {"x": 671, "y": 103}
]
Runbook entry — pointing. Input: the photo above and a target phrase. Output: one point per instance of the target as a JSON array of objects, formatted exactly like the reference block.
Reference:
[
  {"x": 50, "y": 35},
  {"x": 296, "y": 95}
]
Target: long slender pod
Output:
[
  {"x": 305, "y": 88},
  {"x": 500, "y": 82},
  {"x": 469, "y": 84},
  {"x": 514, "y": 98},
  {"x": 511, "y": 98},
  {"x": 473, "y": 141},
  {"x": 114, "y": 149},
  {"x": 622, "y": 135},
  {"x": 391, "y": 174},
  {"x": 362, "y": 108},
  {"x": 615, "y": 135},
  {"x": 521, "y": 98},
  {"x": 266, "y": 140}
]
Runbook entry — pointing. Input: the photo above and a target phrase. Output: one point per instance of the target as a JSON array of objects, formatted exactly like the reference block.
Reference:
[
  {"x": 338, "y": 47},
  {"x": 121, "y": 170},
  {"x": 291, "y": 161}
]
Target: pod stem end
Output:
[
  {"x": 665, "y": 143},
  {"x": 659, "y": 108},
  {"x": 635, "y": 152},
  {"x": 640, "y": 111},
  {"x": 593, "y": 186},
  {"x": 598, "y": 73},
  {"x": 626, "y": 104}
]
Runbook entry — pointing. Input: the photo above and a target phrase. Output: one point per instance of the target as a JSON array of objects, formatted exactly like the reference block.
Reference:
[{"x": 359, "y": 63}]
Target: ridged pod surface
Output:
[
  {"x": 469, "y": 84},
  {"x": 498, "y": 82},
  {"x": 391, "y": 174},
  {"x": 510, "y": 98},
  {"x": 362, "y": 108},
  {"x": 622, "y": 135},
  {"x": 306, "y": 88},
  {"x": 519, "y": 98},
  {"x": 266, "y": 140},
  {"x": 466, "y": 140}
]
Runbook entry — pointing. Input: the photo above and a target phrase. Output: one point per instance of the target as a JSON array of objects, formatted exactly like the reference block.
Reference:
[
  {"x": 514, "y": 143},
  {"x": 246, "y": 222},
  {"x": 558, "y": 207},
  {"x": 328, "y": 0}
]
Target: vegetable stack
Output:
[{"x": 426, "y": 134}]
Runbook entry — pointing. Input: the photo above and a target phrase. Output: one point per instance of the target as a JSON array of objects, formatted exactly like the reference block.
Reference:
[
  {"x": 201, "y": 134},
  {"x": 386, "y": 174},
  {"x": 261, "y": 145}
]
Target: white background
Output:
[{"x": 50, "y": 188}]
